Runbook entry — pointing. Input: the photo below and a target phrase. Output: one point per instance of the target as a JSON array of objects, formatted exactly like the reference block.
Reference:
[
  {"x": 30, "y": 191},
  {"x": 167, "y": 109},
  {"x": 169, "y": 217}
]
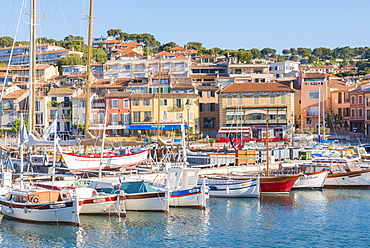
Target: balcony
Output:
[
  {"x": 66, "y": 117},
  {"x": 258, "y": 122}
]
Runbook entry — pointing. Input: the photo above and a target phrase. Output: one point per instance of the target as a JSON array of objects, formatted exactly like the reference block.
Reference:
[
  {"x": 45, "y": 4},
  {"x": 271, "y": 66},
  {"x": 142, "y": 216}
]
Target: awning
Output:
[
  {"x": 234, "y": 130},
  {"x": 155, "y": 126}
]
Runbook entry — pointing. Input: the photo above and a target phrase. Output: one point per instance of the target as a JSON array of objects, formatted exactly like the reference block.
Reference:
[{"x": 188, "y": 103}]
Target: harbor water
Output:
[{"x": 310, "y": 218}]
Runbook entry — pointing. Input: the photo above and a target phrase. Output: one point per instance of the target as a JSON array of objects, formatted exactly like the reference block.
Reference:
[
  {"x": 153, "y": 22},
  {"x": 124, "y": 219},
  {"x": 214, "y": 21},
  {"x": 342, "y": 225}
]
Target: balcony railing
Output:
[{"x": 258, "y": 122}]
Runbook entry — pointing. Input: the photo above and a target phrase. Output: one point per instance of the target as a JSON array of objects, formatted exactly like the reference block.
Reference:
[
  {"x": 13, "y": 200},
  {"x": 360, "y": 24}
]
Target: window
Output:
[
  {"x": 178, "y": 103},
  {"x": 360, "y": 112},
  {"x": 201, "y": 107},
  {"x": 136, "y": 102},
  {"x": 313, "y": 95},
  {"x": 352, "y": 113},
  {"x": 367, "y": 114},
  {"x": 114, "y": 103},
  {"x": 147, "y": 116},
  {"x": 359, "y": 99},
  {"x": 209, "y": 122},
  {"x": 256, "y": 99},
  {"x": 367, "y": 101},
  {"x": 136, "y": 116},
  {"x": 126, "y": 103},
  {"x": 125, "y": 119},
  {"x": 146, "y": 102},
  {"x": 53, "y": 99},
  {"x": 164, "y": 102},
  {"x": 340, "y": 111},
  {"x": 309, "y": 121},
  {"x": 212, "y": 107},
  {"x": 240, "y": 100},
  {"x": 272, "y": 99},
  {"x": 82, "y": 103},
  {"x": 340, "y": 97},
  {"x": 178, "y": 116},
  {"x": 114, "y": 119},
  {"x": 353, "y": 100},
  {"x": 283, "y": 99},
  {"x": 229, "y": 100},
  {"x": 164, "y": 116}
]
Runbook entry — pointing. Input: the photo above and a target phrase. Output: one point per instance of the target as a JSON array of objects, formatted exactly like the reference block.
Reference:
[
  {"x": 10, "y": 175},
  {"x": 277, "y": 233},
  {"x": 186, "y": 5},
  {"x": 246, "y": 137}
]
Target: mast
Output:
[
  {"x": 32, "y": 73},
  {"x": 89, "y": 45},
  {"x": 267, "y": 149},
  {"x": 159, "y": 97},
  {"x": 318, "y": 119}
]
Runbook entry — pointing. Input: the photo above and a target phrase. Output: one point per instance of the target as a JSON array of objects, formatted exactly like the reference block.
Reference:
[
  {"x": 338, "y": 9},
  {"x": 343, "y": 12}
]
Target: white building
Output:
[{"x": 280, "y": 69}]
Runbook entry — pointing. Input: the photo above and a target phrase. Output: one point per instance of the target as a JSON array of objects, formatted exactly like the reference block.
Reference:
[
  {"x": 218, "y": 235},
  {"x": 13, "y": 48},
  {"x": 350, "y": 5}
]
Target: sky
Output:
[{"x": 226, "y": 24}]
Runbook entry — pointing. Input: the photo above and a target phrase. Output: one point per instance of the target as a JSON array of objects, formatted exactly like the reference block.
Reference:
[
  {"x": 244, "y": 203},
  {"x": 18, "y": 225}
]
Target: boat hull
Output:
[
  {"x": 358, "y": 179},
  {"x": 65, "y": 212},
  {"x": 311, "y": 180},
  {"x": 194, "y": 197},
  {"x": 232, "y": 188},
  {"x": 152, "y": 201},
  {"x": 104, "y": 205},
  {"x": 93, "y": 162},
  {"x": 277, "y": 184}
]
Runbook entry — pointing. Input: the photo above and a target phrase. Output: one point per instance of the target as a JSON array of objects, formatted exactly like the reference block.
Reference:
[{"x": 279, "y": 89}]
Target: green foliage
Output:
[
  {"x": 194, "y": 45},
  {"x": 256, "y": 53},
  {"x": 268, "y": 51},
  {"x": 99, "y": 55},
  {"x": 308, "y": 130},
  {"x": 54, "y": 103},
  {"x": 6, "y": 41},
  {"x": 304, "y": 51},
  {"x": 70, "y": 59},
  {"x": 167, "y": 46},
  {"x": 114, "y": 32}
]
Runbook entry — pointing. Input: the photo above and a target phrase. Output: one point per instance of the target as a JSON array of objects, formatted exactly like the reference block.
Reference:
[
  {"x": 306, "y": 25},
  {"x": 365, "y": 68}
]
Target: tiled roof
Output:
[
  {"x": 77, "y": 75},
  {"x": 256, "y": 87},
  {"x": 112, "y": 41},
  {"x": 15, "y": 94},
  {"x": 119, "y": 94},
  {"x": 206, "y": 56},
  {"x": 131, "y": 54},
  {"x": 178, "y": 48},
  {"x": 165, "y": 53},
  {"x": 61, "y": 91}
]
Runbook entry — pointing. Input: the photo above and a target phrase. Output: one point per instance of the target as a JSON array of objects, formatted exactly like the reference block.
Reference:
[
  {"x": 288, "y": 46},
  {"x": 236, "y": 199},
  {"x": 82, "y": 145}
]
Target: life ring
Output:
[{"x": 35, "y": 199}]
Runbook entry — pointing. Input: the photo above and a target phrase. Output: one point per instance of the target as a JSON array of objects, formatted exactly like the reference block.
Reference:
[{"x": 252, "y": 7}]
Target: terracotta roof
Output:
[
  {"x": 132, "y": 54},
  {"x": 61, "y": 91},
  {"x": 165, "y": 95},
  {"x": 15, "y": 94},
  {"x": 83, "y": 96},
  {"x": 119, "y": 94},
  {"x": 77, "y": 75},
  {"x": 178, "y": 48},
  {"x": 112, "y": 41},
  {"x": 256, "y": 87},
  {"x": 133, "y": 44},
  {"x": 107, "y": 83},
  {"x": 314, "y": 75},
  {"x": 165, "y": 53},
  {"x": 206, "y": 56}
]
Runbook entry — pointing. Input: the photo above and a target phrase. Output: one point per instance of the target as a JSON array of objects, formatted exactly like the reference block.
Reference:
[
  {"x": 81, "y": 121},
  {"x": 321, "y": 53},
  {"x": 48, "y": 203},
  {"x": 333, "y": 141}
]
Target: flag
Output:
[{"x": 50, "y": 130}]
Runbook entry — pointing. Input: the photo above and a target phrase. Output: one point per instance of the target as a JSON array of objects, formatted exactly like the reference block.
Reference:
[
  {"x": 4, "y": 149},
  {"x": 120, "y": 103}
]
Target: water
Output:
[{"x": 328, "y": 218}]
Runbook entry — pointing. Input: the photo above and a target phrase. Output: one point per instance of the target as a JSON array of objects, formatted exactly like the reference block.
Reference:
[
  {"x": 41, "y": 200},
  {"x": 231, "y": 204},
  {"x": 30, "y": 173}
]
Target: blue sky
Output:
[{"x": 230, "y": 24}]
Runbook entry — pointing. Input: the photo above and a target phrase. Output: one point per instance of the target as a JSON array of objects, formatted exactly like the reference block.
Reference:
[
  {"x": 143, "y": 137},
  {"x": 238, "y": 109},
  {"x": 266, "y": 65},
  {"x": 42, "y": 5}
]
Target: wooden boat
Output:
[
  {"x": 139, "y": 196},
  {"x": 312, "y": 175},
  {"x": 43, "y": 206},
  {"x": 345, "y": 173},
  {"x": 107, "y": 162},
  {"x": 231, "y": 188}
]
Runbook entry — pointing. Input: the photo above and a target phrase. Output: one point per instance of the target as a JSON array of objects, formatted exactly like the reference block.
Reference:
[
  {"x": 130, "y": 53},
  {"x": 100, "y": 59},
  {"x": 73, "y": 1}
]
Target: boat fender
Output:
[{"x": 9, "y": 211}]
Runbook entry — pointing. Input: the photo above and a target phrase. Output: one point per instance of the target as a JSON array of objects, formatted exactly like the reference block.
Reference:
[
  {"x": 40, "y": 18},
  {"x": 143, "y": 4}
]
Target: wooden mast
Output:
[
  {"x": 32, "y": 74},
  {"x": 89, "y": 45},
  {"x": 267, "y": 149}
]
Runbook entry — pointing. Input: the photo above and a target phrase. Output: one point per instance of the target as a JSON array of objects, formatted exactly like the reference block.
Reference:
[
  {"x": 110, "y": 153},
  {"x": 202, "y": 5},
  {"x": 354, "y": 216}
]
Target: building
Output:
[
  {"x": 118, "y": 106},
  {"x": 280, "y": 69},
  {"x": 246, "y": 107}
]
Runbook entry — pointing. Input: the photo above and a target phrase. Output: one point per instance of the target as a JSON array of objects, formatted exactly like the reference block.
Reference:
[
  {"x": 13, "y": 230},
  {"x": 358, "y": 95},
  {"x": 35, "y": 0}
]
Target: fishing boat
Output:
[
  {"x": 41, "y": 206},
  {"x": 231, "y": 188},
  {"x": 139, "y": 196}
]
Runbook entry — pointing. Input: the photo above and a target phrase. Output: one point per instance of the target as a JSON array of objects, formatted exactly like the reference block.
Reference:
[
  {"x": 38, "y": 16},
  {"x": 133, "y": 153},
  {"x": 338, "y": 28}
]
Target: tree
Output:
[
  {"x": 114, "y": 32},
  {"x": 6, "y": 41},
  {"x": 256, "y": 53},
  {"x": 244, "y": 56},
  {"x": 268, "y": 51},
  {"x": 293, "y": 58},
  {"x": 194, "y": 45},
  {"x": 286, "y": 52},
  {"x": 70, "y": 59},
  {"x": 167, "y": 46},
  {"x": 280, "y": 58},
  {"x": 293, "y": 51},
  {"x": 99, "y": 55},
  {"x": 215, "y": 51},
  {"x": 304, "y": 51}
]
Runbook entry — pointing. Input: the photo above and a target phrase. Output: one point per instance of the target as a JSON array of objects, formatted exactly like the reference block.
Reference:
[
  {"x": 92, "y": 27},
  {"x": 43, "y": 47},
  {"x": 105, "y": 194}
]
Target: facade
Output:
[
  {"x": 254, "y": 73},
  {"x": 357, "y": 110},
  {"x": 172, "y": 110},
  {"x": 14, "y": 105},
  {"x": 246, "y": 107},
  {"x": 118, "y": 106},
  {"x": 208, "y": 110},
  {"x": 280, "y": 69}
]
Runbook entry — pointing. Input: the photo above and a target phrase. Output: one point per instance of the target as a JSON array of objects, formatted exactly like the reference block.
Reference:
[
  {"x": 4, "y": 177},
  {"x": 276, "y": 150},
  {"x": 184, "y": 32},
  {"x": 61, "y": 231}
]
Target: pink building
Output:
[{"x": 118, "y": 113}]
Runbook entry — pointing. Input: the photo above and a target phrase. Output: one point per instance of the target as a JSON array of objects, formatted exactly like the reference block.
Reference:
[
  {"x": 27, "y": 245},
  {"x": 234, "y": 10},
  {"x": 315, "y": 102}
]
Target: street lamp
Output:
[{"x": 188, "y": 106}]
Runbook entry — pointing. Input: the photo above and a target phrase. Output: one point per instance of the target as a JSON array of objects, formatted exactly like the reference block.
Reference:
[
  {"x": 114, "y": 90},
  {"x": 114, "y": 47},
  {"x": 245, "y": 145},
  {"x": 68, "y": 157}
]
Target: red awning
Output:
[{"x": 234, "y": 130}]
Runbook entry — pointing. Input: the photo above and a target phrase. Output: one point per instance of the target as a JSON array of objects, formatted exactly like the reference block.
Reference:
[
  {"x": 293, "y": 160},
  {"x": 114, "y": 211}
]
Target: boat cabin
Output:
[{"x": 46, "y": 196}]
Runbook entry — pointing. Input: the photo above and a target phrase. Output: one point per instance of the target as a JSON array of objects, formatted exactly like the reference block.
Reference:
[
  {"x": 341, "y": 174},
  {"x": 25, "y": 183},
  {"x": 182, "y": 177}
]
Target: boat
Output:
[
  {"x": 345, "y": 173},
  {"x": 312, "y": 175},
  {"x": 41, "y": 206},
  {"x": 139, "y": 196},
  {"x": 231, "y": 188},
  {"x": 108, "y": 161}
]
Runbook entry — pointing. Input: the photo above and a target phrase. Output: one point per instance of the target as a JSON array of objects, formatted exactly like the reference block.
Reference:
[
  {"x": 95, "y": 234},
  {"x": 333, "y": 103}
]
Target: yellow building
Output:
[
  {"x": 174, "y": 108},
  {"x": 246, "y": 107}
]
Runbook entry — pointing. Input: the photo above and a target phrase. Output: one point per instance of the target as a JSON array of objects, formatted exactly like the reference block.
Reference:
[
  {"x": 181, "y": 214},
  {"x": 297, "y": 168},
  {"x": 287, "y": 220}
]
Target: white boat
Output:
[
  {"x": 184, "y": 191},
  {"x": 231, "y": 188},
  {"x": 313, "y": 175},
  {"x": 345, "y": 173},
  {"x": 107, "y": 162},
  {"x": 43, "y": 206},
  {"x": 139, "y": 196}
]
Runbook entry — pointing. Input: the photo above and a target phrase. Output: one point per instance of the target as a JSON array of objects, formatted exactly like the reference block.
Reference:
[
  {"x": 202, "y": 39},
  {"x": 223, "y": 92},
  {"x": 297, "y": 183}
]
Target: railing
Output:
[{"x": 255, "y": 122}]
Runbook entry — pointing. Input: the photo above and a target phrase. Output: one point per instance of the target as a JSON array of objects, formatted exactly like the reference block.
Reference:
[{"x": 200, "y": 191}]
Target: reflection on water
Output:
[{"x": 310, "y": 218}]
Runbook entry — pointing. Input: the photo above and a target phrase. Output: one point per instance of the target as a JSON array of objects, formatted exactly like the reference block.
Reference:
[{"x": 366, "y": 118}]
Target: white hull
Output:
[
  {"x": 359, "y": 179},
  {"x": 103, "y": 205},
  {"x": 314, "y": 180},
  {"x": 232, "y": 188},
  {"x": 92, "y": 162},
  {"x": 147, "y": 202},
  {"x": 33, "y": 212},
  {"x": 194, "y": 197}
]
